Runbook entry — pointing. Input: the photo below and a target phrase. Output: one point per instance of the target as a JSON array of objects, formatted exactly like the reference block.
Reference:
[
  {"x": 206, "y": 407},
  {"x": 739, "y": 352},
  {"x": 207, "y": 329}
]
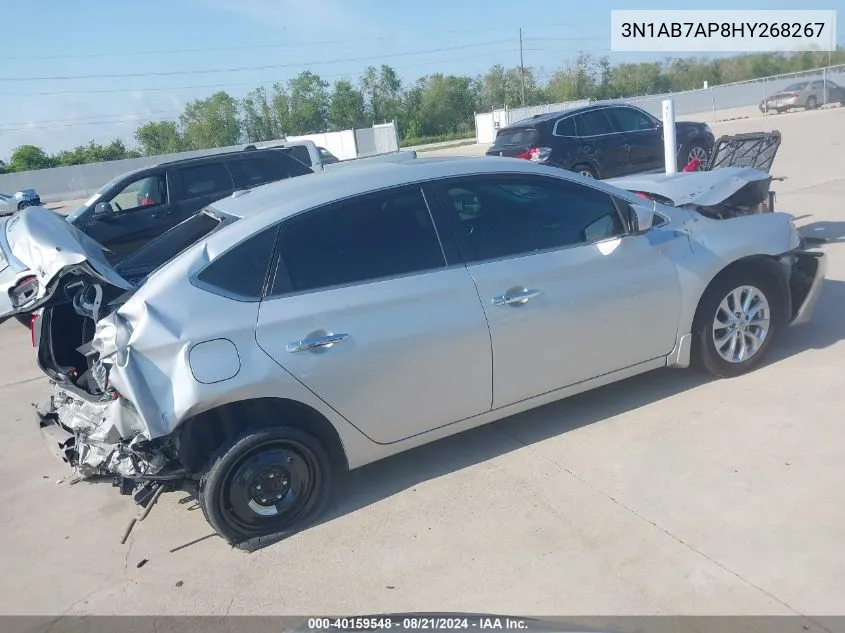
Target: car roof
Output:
[
  {"x": 553, "y": 116},
  {"x": 278, "y": 200}
]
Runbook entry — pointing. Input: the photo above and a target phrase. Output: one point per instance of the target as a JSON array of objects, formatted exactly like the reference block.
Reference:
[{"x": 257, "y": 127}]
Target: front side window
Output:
[
  {"x": 150, "y": 191},
  {"x": 364, "y": 239},
  {"x": 206, "y": 179},
  {"x": 630, "y": 120},
  {"x": 242, "y": 270},
  {"x": 495, "y": 218},
  {"x": 594, "y": 123},
  {"x": 817, "y": 85}
]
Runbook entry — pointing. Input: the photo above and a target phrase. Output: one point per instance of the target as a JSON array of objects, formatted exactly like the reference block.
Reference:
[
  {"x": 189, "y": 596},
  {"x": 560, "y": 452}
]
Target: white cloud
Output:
[{"x": 137, "y": 95}]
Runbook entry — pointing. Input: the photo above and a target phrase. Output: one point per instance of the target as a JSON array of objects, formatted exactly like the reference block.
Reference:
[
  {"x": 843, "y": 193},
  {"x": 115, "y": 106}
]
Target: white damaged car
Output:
[{"x": 349, "y": 316}]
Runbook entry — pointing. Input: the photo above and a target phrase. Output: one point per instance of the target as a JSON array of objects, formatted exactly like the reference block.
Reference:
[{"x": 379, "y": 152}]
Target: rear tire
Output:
[
  {"x": 585, "y": 170},
  {"x": 270, "y": 482},
  {"x": 812, "y": 103},
  {"x": 726, "y": 345}
]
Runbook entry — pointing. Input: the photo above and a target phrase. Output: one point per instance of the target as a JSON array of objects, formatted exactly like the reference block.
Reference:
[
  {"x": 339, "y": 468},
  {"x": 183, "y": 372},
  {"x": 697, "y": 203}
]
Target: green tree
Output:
[
  {"x": 382, "y": 90},
  {"x": 309, "y": 103},
  {"x": 446, "y": 102},
  {"x": 280, "y": 108},
  {"x": 159, "y": 137},
  {"x": 30, "y": 157},
  {"x": 259, "y": 123},
  {"x": 211, "y": 122},
  {"x": 346, "y": 107}
]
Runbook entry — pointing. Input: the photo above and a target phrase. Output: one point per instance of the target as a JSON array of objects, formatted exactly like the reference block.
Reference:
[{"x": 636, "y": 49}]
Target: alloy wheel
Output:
[{"x": 741, "y": 324}]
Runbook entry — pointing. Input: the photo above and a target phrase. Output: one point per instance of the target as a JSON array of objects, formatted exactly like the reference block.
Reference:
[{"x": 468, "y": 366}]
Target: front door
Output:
[
  {"x": 567, "y": 293},
  {"x": 366, "y": 314},
  {"x": 643, "y": 137},
  {"x": 138, "y": 212}
]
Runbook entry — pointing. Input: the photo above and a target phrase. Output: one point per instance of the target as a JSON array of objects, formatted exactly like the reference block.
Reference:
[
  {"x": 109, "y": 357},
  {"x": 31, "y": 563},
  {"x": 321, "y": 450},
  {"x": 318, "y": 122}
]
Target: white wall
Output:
[{"x": 341, "y": 144}]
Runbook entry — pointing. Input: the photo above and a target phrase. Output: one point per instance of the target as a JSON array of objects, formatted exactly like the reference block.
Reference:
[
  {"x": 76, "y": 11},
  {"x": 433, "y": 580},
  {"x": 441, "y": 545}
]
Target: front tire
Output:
[
  {"x": 271, "y": 481},
  {"x": 738, "y": 318}
]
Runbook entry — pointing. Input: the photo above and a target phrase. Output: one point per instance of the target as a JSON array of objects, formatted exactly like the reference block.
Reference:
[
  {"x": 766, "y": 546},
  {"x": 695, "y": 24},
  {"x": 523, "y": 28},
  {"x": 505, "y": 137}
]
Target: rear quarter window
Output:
[{"x": 241, "y": 272}]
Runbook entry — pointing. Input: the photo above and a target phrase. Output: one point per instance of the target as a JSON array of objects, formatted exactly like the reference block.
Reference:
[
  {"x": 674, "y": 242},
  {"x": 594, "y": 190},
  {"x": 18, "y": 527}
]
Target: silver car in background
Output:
[
  {"x": 12, "y": 202},
  {"x": 345, "y": 317},
  {"x": 808, "y": 93}
]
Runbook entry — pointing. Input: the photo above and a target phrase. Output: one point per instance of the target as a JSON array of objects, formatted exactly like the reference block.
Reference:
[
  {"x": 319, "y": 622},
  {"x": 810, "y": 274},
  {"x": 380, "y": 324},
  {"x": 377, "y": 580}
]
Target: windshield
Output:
[{"x": 90, "y": 202}]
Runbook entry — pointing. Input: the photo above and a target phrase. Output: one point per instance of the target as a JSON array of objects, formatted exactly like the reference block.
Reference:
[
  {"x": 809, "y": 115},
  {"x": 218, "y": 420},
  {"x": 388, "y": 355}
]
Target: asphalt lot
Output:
[{"x": 664, "y": 494}]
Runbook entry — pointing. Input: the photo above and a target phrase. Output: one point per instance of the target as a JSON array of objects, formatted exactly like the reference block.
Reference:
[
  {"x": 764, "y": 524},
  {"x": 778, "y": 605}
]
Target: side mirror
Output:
[
  {"x": 103, "y": 209},
  {"x": 642, "y": 217}
]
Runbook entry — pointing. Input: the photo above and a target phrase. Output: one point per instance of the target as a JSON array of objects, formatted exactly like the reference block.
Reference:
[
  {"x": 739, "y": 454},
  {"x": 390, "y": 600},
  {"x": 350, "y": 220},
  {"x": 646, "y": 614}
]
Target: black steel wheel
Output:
[{"x": 271, "y": 481}]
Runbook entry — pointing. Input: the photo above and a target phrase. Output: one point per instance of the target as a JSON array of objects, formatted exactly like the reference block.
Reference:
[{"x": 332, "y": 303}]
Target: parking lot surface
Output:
[{"x": 665, "y": 494}]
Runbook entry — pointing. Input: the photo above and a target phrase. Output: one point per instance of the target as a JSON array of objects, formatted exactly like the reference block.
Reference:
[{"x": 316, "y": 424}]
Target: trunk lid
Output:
[{"x": 54, "y": 249}]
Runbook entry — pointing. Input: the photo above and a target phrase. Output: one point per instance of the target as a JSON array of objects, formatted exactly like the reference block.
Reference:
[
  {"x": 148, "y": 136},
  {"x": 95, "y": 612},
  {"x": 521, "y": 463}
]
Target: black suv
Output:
[
  {"x": 601, "y": 141},
  {"x": 136, "y": 207}
]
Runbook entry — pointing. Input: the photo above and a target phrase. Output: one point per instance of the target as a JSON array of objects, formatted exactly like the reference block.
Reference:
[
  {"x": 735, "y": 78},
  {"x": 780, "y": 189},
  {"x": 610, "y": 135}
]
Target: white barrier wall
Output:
[
  {"x": 341, "y": 144},
  {"x": 80, "y": 181}
]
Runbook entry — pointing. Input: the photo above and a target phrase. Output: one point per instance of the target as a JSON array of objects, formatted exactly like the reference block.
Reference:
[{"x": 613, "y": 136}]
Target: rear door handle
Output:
[
  {"x": 315, "y": 343},
  {"x": 518, "y": 297}
]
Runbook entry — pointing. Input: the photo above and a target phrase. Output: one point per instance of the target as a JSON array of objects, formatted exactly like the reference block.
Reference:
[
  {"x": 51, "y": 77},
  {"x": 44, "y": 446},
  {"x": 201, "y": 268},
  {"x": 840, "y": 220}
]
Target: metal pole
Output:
[
  {"x": 669, "y": 148},
  {"x": 824, "y": 82},
  {"x": 713, "y": 103},
  {"x": 521, "y": 67}
]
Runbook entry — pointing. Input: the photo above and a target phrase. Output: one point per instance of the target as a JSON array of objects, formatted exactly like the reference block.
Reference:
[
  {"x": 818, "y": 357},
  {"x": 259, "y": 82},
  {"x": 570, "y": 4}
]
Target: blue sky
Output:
[{"x": 180, "y": 50}]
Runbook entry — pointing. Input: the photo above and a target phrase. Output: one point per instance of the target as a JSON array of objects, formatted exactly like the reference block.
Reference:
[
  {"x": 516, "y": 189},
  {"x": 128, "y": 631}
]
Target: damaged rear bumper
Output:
[{"x": 84, "y": 435}]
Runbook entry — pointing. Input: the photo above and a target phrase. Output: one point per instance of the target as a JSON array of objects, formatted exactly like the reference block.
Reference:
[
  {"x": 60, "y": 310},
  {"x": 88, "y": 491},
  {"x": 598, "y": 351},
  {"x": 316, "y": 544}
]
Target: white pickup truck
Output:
[{"x": 319, "y": 158}]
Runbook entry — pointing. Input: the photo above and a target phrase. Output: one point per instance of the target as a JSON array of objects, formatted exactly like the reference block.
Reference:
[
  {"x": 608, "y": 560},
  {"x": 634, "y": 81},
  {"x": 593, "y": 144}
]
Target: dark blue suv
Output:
[{"x": 602, "y": 141}]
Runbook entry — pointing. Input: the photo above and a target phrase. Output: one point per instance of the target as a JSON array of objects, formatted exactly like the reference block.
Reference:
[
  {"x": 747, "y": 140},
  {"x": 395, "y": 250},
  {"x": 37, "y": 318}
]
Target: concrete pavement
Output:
[{"x": 664, "y": 494}]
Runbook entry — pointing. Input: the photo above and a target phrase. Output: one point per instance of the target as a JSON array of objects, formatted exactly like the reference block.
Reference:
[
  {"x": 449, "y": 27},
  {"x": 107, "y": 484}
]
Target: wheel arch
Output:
[
  {"x": 200, "y": 436},
  {"x": 767, "y": 265}
]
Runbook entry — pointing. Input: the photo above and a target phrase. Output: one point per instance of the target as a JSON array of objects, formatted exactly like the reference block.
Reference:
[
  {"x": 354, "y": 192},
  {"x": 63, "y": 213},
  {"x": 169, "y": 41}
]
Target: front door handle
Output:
[
  {"x": 316, "y": 342},
  {"x": 515, "y": 297}
]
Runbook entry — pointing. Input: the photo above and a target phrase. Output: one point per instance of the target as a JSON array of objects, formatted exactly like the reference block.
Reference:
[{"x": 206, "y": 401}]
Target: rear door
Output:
[
  {"x": 367, "y": 313},
  {"x": 602, "y": 145},
  {"x": 643, "y": 136},
  {"x": 141, "y": 209},
  {"x": 199, "y": 185},
  {"x": 513, "y": 142}
]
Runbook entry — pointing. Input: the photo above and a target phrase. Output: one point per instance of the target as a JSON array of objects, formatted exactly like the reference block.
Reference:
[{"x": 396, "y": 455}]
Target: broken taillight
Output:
[
  {"x": 526, "y": 155},
  {"x": 32, "y": 319},
  {"x": 536, "y": 154}
]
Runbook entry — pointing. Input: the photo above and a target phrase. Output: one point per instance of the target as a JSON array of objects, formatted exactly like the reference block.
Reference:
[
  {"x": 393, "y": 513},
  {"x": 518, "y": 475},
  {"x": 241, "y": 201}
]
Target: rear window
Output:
[
  {"x": 300, "y": 153},
  {"x": 518, "y": 137},
  {"x": 171, "y": 243}
]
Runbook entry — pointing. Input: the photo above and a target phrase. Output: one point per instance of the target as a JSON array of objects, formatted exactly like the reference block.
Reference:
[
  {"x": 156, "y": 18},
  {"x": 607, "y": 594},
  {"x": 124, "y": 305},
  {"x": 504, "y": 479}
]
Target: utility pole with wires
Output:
[{"x": 521, "y": 67}]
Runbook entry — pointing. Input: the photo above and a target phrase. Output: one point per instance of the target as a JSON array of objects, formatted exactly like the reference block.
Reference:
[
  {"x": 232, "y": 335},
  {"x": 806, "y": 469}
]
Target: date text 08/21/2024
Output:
[{"x": 415, "y": 623}]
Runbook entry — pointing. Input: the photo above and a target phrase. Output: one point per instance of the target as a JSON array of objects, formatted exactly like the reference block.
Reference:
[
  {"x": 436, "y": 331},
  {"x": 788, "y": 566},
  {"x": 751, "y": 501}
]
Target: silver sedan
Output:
[{"x": 343, "y": 317}]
